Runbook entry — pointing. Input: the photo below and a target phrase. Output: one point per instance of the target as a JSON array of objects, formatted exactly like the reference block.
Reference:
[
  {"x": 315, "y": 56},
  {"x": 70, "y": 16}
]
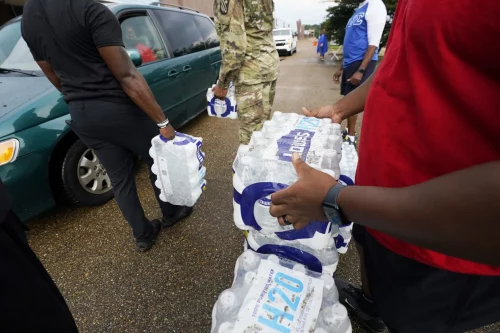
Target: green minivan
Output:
[{"x": 42, "y": 162}]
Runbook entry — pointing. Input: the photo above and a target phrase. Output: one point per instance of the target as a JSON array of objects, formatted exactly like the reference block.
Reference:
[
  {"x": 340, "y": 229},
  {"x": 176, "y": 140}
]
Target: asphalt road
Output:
[{"x": 109, "y": 287}]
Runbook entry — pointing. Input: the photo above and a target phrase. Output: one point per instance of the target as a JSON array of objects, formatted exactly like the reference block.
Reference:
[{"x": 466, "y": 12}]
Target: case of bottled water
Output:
[
  {"x": 178, "y": 163},
  {"x": 302, "y": 250},
  {"x": 264, "y": 167},
  {"x": 222, "y": 108},
  {"x": 272, "y": 295}
]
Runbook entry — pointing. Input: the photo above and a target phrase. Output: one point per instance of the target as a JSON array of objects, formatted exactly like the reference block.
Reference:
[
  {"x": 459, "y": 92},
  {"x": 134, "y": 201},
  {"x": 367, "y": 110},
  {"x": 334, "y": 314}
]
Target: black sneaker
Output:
[
  {"x": 181, "y": 213},
  {"x": 352, "y": 298},
  {"x": 145, "y": 245},
  {"x": 345, "y": 135}
]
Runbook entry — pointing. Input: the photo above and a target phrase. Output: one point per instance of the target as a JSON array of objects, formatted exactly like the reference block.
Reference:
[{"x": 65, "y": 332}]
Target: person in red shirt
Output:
[
  {"x": 131, "y": 40},
  {"x": 427, "y": 194}
]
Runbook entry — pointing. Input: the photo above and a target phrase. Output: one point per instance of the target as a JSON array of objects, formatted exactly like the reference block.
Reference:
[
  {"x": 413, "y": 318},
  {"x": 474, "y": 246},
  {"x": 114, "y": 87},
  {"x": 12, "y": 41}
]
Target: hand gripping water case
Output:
[
  {"x": 222, "y": 108},
  {"x": 178, "y": 163},
  {"x": 272, "y": 295},
  {"x": 264, "y": 167}
]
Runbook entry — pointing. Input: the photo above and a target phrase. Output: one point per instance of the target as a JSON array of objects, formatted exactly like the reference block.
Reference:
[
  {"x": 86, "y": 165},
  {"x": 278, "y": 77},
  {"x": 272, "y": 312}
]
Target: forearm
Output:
[
  {"x": 354, "y": 102},
  {"x": 56, "y": 82},
  {"x": 449, "y": 214},
  {"x": 370, "y": 52},
  {"x": 233, "y": 49},
  {"x": 139, "y": 92}
]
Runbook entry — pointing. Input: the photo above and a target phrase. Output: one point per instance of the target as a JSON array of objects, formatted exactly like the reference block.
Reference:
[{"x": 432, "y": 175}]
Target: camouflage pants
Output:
[{"x": 255, "y": 103}]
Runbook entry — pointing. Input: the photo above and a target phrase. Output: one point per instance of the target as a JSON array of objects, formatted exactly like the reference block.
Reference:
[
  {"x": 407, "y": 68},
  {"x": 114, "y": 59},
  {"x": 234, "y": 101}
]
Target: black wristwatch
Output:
[
  {"x": 332, "y": 210},
  {"x": 362, "y": 70}
]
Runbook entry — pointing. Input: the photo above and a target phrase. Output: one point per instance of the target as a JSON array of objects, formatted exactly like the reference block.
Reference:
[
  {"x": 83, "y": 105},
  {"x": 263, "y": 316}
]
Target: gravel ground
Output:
[{"x": 90, "y": 252}]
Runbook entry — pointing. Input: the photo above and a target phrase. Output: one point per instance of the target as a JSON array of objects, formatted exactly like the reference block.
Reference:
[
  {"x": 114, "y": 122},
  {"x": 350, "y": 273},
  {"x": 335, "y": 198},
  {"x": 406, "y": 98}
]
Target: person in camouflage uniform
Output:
[{"x": 249, "y": 59}]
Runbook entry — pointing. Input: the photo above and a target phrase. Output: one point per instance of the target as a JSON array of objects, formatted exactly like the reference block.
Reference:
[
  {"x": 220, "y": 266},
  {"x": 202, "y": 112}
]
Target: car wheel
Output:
[
  {"x": 84, "y": 180},
  {"x": 290, "y": 52}
]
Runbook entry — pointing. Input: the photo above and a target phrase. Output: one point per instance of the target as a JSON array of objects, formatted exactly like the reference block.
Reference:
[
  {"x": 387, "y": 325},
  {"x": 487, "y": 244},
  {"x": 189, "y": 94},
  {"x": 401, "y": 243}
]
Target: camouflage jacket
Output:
[{"x": 245, "y": 29}]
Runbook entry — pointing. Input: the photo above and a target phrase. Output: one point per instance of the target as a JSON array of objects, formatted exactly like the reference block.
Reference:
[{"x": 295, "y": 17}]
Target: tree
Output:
[
  {"x": 339, "y": 15},
  {"x": 315, "y": 27}
]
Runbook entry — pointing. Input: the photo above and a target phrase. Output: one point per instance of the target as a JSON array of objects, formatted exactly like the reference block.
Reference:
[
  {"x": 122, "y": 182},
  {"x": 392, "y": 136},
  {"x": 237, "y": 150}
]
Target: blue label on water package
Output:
[
  {"x": 229, "y": 107},
  {"x": 291, "y": 253},
  {"x": 308, "y": 232},
  {"x": 344, "y": 180},
  {"x": 297, "y": 141}
]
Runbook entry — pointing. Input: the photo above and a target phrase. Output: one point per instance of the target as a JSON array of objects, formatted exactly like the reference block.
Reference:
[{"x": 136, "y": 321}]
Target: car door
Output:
[
  {"x": 187, "y": 47},
  {"x": 158, "y": 68}
]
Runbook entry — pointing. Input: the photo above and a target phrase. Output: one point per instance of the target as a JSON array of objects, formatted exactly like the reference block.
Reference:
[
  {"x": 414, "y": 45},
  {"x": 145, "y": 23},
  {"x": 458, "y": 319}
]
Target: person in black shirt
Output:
[
  {"x": 30, "y": 300},
  {"x": 78, "y": 45}
]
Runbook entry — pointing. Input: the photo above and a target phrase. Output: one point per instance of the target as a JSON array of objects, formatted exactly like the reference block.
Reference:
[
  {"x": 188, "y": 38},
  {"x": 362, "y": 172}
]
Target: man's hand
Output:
[
  {"x": 168, "y": 132},
  {"x": 219, "y": 92},
  {"x": 327, "y": 111},
  {"x": 355, "y": 80},
  {"x": 302, "y": 202},
  {"x": 337, "y": 75}
]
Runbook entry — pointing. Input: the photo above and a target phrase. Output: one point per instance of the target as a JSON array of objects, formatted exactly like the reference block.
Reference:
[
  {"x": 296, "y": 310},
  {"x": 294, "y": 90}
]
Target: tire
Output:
[
  {"x": 84, "y": 180},
  {"x": 290, "y": 53}
]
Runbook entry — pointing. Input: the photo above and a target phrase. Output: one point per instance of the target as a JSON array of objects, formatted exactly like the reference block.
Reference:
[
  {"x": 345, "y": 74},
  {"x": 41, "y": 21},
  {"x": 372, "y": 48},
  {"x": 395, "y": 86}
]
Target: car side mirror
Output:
[{"x": 135, "y": 56}]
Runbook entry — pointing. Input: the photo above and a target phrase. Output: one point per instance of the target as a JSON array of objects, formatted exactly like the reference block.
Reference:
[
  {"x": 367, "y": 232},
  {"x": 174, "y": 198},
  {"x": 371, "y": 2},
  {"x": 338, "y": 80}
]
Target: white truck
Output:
[{"x": 286, "y": 40}]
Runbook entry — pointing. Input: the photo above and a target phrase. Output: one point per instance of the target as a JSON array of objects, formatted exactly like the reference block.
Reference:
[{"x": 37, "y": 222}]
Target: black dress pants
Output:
[
  {"x": 118, "y": 132},
  {"x": 29, "y": 299}
]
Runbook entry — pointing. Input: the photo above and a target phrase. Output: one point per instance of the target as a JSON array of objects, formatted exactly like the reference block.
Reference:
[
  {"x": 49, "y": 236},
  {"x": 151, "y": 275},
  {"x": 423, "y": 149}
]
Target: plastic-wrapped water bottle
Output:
[
  {"x": 343, "y": 237},
  {"x": 222, "y": 108},
  {"x": 178, "y": 163},
  {"x": 323, "y": 260},
  {"x": 348, "y": 164},
  {"x": 335, "y": 319},
  {"x": 330, "y": 290},
  {"x": 257, "y": 299}
]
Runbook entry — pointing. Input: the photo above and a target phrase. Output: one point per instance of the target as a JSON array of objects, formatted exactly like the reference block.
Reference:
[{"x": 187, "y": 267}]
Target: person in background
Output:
[
  {"x": 322, "y": 48},
  {"x": 113, "y": 111},
  {"x": 361, "y": 41},
  {"x": 132, "y": 41},
  {"x": 249, "y": 59},
  {"x": 427, "y": 197},
  {"x": 31, "y": 301}
]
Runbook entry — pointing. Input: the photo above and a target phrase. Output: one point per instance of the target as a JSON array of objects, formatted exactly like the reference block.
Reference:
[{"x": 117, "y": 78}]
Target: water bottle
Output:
[
  {"x": 178, "y": 163},
  {"x": 222, "y": 108},
  {"x": 329, "y": 258},
  {"x": 249, "y": 261},
  {"x": 227, "y": 304},
  {"x": 300, "y": 268},
  {"x": 343, "y": 238},
  {"x": 348, "y": 164},
  {"x": 330, "y": 291},
  {"x": 335, "y": 319},
  {"x": 226, "y": 327}
]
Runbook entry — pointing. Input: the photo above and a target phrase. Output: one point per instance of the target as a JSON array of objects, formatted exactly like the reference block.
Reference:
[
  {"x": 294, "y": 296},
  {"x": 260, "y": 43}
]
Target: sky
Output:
[{"x": 309, "y": 11}]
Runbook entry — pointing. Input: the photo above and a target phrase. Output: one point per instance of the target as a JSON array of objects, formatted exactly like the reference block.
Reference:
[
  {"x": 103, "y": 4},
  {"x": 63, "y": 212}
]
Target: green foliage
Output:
[
  {"x": 315, "y": 27},
  {"x": 339, "y": 15}
]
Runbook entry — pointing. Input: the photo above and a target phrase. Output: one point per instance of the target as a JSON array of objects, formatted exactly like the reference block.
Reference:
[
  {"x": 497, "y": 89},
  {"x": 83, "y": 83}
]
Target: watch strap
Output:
[
  {"x": 330, "y": 206},
  {"x": 362, "y": 70}
]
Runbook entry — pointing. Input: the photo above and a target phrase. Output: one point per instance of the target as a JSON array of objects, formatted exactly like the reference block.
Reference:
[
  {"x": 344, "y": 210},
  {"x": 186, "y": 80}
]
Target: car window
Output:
[
  {"x": 181, "y": 31},
  {"x": 282, "y": 33},
  {"x": 207, "y": 30},
  {"x": 140, "y": 33},
  {"x": 14, "y": 53}
]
